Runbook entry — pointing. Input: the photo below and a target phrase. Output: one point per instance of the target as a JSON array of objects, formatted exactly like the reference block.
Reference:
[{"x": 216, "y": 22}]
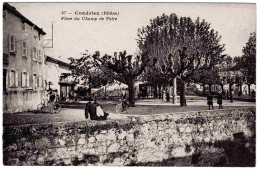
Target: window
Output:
[
  {"x": 24, "y": 49},
  {"x": 39, "y": 81},
  {"x": 4, "y": 79},
  {"x": 12, "y": 44},
  {"x": 25, "y": 79},
  {"x": 39, "y": 55},
  {"x": 24, "y": 76},
  {"x": 24, "y": 26},
  {"x": 13, "y": 79},
  {"x": 34, "y": 54},
  {"x": 34, "y": 81},
  {"x": 5, "y": 14}
]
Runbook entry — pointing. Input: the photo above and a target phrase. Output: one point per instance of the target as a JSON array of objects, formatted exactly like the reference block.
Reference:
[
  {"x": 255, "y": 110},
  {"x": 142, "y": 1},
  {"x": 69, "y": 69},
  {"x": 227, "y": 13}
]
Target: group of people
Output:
[
  {"x": 54, "y": 98},
  {"x": 219, "y": 101},
  {"x": 94, "y": 111}
]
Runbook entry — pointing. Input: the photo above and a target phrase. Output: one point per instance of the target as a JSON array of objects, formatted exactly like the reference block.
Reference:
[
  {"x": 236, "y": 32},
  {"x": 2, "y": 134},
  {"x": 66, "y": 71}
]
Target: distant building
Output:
[
  {"x": 58, "y": 77},
  {"x": 23, "y": 64}
]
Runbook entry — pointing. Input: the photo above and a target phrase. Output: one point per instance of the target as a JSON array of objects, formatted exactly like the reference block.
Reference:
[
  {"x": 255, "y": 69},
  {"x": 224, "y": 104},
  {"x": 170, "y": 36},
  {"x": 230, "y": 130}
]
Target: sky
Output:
[{"x": 233, "y": 21}]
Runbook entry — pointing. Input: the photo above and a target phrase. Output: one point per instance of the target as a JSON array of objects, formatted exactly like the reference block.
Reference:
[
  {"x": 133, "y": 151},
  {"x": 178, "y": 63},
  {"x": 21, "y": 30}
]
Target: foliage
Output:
[
  {"x": 247, "y": 62},
  {"x": 85, "y": 72},
  {"x": 124, "y": 68},
  {"x": 181, "y": 45}
]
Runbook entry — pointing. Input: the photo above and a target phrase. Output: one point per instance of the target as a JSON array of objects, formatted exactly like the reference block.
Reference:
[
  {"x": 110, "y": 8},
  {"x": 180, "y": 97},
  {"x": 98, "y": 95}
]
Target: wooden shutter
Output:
[
  {"x": 16, "y": 79},
  {"x": 10, "y": 79},
  {"x": 15, "y": 45},
  {"x": 38, "y": 81},
  {"x": 22, "y": 77},
  {"x": 9, "y": 42},
  {"x": 27, "y": 52},
  {"x": 27, "y": 80}
]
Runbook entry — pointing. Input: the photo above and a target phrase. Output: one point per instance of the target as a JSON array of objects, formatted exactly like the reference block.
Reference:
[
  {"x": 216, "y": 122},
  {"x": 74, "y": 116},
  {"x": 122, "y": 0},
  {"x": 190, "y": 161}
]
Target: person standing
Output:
[
  {"x": 210, "y": 101},
  {"x": 220, "y": 100},
  {"x": 253, "y": 94},
  {"x": 124, "y": 101}
]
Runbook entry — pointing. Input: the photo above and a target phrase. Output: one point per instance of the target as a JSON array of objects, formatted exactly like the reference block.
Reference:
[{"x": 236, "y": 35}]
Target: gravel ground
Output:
[
  {"x": 75, "y": 112},
  {"x": 70, "y": 115}
]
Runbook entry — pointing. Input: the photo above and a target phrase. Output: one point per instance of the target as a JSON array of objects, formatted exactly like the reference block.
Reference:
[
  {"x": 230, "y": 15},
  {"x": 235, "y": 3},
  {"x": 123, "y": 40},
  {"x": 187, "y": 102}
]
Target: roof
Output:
[
  {"x": 56, "y": 61},
  {"x": 13, "y": 10}
]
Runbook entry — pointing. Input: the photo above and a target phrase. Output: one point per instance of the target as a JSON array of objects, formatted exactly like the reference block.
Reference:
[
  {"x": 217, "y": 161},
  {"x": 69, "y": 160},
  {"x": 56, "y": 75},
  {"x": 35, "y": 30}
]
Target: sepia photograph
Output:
[{"x": 150, "y": 84}]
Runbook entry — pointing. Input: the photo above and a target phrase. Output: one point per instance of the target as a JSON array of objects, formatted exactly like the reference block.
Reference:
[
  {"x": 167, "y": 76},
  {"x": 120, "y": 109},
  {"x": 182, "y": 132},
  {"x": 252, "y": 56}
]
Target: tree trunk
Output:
[
  {"x": 89, "y": 87},
  {"x": 160, "y": 94},
  {"x": 131, "y": 91},
  {"x": 249, "y": 91},
  {"x": 174, "y": 91},
  {"x": 222, "y": 88},
  {"x": 204, "y": 90},
  {"x": 105, "y": 93},
  {"x": 210, "y": 88},
  {"x": 230, "y": 92},
  {"x": 155, "y": 94},
  {"x": 240, "y": 88},
  {"x": 182, "y": 94},
  {"x": 163, "y": 92}
]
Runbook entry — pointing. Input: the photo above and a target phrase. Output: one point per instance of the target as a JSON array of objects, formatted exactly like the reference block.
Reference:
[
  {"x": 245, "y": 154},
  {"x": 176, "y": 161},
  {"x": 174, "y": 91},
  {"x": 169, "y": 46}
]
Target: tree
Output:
[
  {"x": 182, "y": 47},
  {"x": 84, "y": 72},
  {"x": 248, "y": 61},
  {"x": 124, "y": 68}
]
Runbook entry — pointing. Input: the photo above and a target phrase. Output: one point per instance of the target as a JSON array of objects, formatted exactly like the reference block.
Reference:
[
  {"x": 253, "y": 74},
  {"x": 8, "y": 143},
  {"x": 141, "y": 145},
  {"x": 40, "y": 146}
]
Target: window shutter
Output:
[
  {"x": 27, "y": 51},
  {"x": 21, "y": 48},
  {"x": 8, "y": 78},
  {"x": 9, "y": 42},
  {"x": 28, "y": 80},
  {"x": 22, "y": 78},
  {"x": 16, "y": 79},
  {"x": 32, "y": 53},
  {"x": 37, "y": 58},
  {"x": 15, "y": 44},
  {"x": 38, "y": 77}
]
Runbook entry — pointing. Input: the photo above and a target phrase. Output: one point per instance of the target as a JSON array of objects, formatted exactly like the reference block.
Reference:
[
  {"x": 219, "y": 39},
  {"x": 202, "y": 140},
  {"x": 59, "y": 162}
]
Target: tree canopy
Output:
[{"x": 182, "y": 46}]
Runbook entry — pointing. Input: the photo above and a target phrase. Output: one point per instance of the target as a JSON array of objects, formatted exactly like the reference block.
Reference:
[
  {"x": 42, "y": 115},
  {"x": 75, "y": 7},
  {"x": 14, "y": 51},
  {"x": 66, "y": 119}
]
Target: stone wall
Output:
[{"x": 179, "y": 139}]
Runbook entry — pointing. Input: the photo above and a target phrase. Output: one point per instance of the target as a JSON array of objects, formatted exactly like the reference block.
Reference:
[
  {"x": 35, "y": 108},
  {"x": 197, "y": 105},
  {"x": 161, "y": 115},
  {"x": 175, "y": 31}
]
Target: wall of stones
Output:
[{"x": 190, "y": 138}]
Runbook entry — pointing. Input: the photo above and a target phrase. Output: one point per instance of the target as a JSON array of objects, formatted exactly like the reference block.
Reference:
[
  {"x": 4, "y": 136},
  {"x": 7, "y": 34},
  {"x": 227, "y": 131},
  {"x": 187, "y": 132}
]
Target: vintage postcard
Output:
[{"x": 129, "y": 84}]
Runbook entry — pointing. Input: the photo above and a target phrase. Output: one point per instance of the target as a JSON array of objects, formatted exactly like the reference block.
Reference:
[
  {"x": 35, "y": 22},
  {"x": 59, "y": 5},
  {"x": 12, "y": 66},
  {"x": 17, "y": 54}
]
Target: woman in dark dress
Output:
[{"x": 220, "y": 100}]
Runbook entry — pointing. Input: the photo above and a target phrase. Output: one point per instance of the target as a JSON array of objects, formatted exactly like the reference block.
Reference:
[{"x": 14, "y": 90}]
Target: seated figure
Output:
[{"x": 94, "y": 111}]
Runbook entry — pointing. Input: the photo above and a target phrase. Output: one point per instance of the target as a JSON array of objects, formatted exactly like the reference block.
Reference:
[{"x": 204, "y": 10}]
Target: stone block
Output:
[
  {"x": 91, "y": 139},
  {"x": 81, "y": 141},
  {"x": 61, "y": 142},
  {"x": 113, "y": 148},
  {"x": 42, "y": 143}
]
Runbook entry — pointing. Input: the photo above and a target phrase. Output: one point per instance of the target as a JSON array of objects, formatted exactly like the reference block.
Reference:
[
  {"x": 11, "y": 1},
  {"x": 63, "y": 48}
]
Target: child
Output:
[{"x": 210, "y": 101}]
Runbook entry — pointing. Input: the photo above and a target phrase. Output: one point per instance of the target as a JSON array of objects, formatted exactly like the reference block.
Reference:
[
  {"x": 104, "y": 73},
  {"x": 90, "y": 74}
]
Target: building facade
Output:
[
  {"x": 23, "y": 62},
  {"x": 58, "y": 77}
]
